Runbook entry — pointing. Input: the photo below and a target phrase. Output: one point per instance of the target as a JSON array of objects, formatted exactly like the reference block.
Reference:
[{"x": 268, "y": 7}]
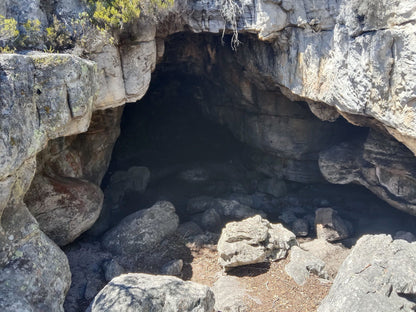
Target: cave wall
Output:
[{"x": 356, "y": 58}]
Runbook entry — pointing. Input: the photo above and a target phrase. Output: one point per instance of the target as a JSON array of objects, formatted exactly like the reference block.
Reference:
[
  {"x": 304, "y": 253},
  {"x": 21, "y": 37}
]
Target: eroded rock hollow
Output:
[{"x": 309, "y": 122}]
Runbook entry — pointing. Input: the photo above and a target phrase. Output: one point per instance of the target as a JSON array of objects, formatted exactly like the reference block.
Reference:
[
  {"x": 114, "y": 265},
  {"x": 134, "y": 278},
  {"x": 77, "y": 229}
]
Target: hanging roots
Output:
[{"x": 231, "y": 10}]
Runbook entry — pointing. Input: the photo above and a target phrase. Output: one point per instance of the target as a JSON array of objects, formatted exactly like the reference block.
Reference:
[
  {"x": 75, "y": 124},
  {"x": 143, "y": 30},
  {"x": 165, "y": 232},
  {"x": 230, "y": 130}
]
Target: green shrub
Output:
[
  {"x": 58, "y": 36},
  {"x": 114, "y": 14},
  {"x": 8, "y": 28}
]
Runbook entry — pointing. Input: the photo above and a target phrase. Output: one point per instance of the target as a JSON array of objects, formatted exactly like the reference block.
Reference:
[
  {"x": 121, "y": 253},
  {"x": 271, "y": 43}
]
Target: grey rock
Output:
[
  {"x": 199, "y": 204},
  {"x": 332, "y": 254},
  {"x": 24, "y": 253},
  {"x": 217, "y": 210},
  {"x": 111, "y": 270},
  {"x": 378, "y": 275},
  {"x": 64, "y": 207},
  {"x": 330, "y": 226},
  {"x": 380, "y": 163},
  {"x": 144, "y": 292},
  {"x": 121, "y": 182},
  {"x": 230, "y": 295},
  {"x": 142, "y": 230},
  {"x": 173, "y": 267},
  {"x": 234, "y": 210},
  {"x": 211, "y": 220},
  {"x": 88, "y": 263},
  {"x": 300, "y": 227},
  {"x": 302, "y": 264},
  {"x": 253, "y": 240},
  {"x": 189, "y": 229},
  {"x": 194, "y": 175},
  {"x": 92, "y": 288},
  {"x": 272, "y": 186},
  {"x": 407, "y": 236},
  {"x": 34, "y": 274}
]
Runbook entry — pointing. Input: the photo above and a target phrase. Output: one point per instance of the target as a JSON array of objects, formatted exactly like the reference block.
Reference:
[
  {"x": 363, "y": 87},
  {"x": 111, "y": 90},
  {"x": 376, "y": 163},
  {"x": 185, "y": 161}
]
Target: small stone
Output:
[
  {"x": 173, "y": 267},
  {"x": 407, "y": 236},
  {"x": 211, "y": 220},
  {"x": 189, "y": 229},
  {"x": 112, "y": 269},
  {"x": 273, "y": 186},
  {"x": 330, "y": 226},
  {"x": 230, "y": 295},
  {"x": 300, "y": 228},
  {"x": 92, "y": 288},
  {"x": 302, "y": 263}
]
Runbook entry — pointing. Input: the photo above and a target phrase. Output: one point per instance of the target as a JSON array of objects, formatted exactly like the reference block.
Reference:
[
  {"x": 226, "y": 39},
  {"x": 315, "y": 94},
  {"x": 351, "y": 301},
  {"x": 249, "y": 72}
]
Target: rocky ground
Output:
[
  {"x": 266, "y": 287},
  {"x": 168, "y": 197}
]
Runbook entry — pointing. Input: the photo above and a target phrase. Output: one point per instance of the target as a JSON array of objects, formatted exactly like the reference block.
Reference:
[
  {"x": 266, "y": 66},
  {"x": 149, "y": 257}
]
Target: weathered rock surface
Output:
[
  {"x": 64, "y": 207},
  {"x": 332, "y": 254},
  {"x": 144, "y": 292},
  {"x": 407, "y": 236},
  {"x": 215, "y": 212},
  {"x": 330, "y": 226},
  {"x": 381, "y": 164},
  {"x": 355, "y": 56},
  {"x": 253, "y": 240},
  {"x": 230, "y": 295},
  {"x": 34, "y": 273},
  {"x": 302, "y": 264},
  {"x": 43, "y": 97},
  {"x": 378, "y": 275},
  {"x": 88, "y": 262},
  {"x": 142, "y": 230},
  {"x": 173, "y": 267}
]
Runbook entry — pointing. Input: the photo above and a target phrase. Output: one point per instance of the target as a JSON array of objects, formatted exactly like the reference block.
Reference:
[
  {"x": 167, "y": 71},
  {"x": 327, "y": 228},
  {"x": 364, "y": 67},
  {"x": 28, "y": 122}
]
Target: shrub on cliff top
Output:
[{"x": 111, "y": 14}]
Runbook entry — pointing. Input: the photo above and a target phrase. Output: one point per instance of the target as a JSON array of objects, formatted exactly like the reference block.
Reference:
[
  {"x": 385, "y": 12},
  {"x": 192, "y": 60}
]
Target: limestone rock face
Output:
[
  {"x": 142, "y": 230},
  {"x": 43, "y": 96},
  {"x": 327, "y": 57},
  {"x": 253, "y": 240},
  {"x": 378, "y": 275},
  {"x": 380, "y": 163},
  {"x": 34, "y": 273},
  {"x": 64, "y": 196},
  {"x": 144, "y": 292}
]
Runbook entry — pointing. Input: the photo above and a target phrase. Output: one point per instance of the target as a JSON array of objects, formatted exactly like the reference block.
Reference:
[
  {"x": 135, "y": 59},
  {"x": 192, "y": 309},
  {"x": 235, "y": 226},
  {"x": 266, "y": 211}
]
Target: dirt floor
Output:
[{"x": 268, "y": 286}]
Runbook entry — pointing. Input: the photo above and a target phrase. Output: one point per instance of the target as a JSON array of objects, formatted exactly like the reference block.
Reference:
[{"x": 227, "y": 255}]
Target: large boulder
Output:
[
  {"x": 378, "y": 275},
  {"x": 253, "y": 240},
  {"x": 35, "y": 274},
  {"x": 142, "y": 230},
  {"x": 144, "y": 292},
  {"x": 64, "y": 207}
]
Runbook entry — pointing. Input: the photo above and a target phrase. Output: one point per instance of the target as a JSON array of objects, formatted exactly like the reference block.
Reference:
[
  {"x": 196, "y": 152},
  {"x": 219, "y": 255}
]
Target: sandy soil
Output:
[{"x": 268, "y": 286}]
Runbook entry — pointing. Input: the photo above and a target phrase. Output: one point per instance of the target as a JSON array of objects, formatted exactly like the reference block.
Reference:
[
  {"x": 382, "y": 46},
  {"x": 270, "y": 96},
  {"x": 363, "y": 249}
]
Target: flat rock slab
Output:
[{"x": 145, "y": 292}]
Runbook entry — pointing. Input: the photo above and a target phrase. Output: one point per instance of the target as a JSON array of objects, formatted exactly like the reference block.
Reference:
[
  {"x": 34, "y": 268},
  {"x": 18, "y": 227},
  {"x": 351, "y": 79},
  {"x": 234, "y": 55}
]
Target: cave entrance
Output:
[{"x": 207, "y": 133}]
